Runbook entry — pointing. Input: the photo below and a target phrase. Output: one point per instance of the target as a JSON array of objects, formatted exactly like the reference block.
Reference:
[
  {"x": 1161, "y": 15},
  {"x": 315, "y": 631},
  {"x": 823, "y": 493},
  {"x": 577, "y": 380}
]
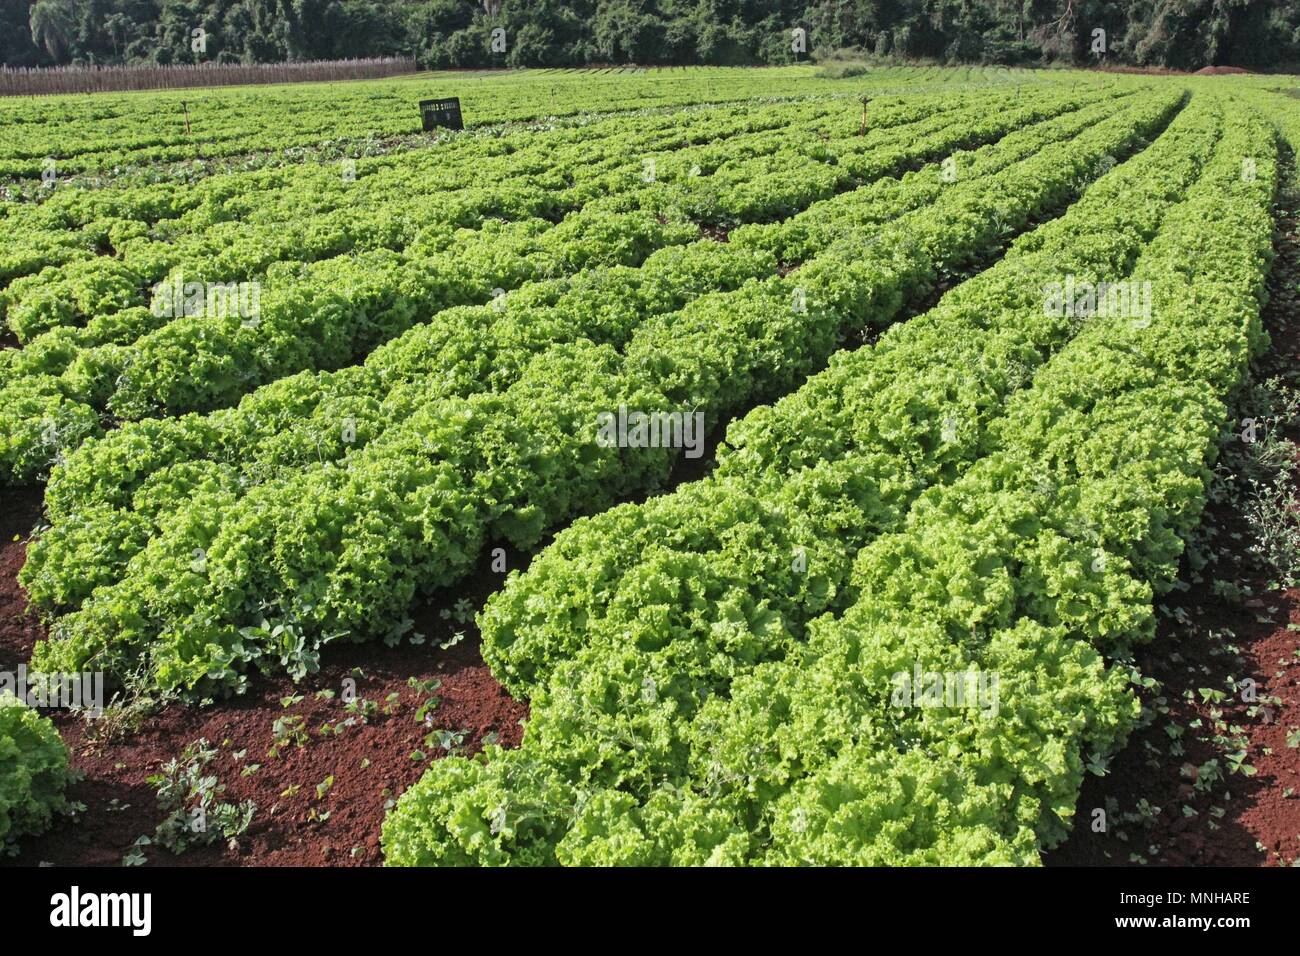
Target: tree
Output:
[
  {"x": 53, "y": 23},
  {"x": 532, "y": 45},
  {"x": 118, "y": 27},
  {"x": 1181, "y": 33},
  {"x": 628, "y": 31}
]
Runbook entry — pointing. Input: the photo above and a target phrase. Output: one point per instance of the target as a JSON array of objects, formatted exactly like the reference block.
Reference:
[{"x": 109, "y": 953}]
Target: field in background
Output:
[{"x": 146, "y": 130}]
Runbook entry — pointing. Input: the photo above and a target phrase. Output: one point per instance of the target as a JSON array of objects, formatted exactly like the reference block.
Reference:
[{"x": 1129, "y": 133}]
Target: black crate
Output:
[{"x": 444, "y": 113}]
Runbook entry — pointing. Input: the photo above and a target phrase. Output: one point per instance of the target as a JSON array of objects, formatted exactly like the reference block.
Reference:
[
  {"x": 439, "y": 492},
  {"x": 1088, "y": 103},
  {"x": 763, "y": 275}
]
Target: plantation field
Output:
[
  {"x": 121, "y": 132},
  {"x": 814, "y": 480}
]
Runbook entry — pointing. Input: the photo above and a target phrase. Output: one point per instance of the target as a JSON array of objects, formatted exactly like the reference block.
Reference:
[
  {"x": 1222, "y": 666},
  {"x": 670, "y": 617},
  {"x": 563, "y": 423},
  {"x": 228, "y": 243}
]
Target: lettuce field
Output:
[{"x": 690, "y": 466}]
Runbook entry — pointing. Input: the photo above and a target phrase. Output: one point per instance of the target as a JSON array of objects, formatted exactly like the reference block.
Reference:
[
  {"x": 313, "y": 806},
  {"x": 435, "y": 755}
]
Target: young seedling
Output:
[{"x": 195, "y": 814}]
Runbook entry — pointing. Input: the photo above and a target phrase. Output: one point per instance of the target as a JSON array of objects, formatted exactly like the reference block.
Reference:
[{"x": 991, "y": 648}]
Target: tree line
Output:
[{"x": 1180, "y": 34}]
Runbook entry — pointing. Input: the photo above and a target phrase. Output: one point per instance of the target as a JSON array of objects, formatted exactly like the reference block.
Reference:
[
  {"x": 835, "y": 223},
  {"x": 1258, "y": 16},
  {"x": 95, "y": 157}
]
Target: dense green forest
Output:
[{"x": 1184, "y": 34}]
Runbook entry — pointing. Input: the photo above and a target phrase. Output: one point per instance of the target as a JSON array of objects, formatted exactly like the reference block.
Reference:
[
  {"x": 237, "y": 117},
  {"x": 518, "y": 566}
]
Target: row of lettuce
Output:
[
  {"x": 212, "y": 574},
  {"x": 740, "y": 672},
  {"x": 138, "y": 362}
]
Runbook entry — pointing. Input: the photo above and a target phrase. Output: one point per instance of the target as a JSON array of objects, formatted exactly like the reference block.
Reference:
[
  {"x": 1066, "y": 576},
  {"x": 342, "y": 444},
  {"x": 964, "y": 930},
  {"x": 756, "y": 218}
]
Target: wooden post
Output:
[
  {"x": 186, "y": 108},
  {"x": 862, "y": 130}
]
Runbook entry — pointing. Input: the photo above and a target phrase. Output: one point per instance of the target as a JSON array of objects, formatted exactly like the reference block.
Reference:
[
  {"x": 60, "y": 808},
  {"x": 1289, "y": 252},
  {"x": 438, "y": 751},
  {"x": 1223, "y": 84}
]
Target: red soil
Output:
[
  {"x": 1230, "y": 819},
  {"x": 371, "y": 763}
]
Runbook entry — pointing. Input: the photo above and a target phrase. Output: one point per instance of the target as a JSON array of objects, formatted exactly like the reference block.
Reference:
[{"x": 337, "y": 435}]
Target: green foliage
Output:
[
  {"x": 455, "y": 33},
  {"x": 190, "y": 796}
]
